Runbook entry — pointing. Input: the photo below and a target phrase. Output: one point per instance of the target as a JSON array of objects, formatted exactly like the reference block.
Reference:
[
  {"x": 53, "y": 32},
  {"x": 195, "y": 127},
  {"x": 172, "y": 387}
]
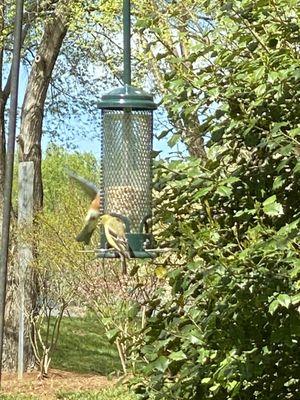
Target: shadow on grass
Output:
[{"x": 83, "y": 347}]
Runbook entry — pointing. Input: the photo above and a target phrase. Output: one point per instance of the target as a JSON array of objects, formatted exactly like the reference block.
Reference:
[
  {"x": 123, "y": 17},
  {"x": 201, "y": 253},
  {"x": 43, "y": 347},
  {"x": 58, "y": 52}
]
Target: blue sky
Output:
[{"x": 91, "y": 143}]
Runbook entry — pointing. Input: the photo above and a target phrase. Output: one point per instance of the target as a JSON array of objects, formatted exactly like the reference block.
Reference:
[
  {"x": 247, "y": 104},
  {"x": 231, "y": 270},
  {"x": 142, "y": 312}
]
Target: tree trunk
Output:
[
  {"x": 4, "y": 95},
  {"x": 33, "y": 107},
  {"x": 2, "y": 124},
  {"x": 30, "y": 151},
  {"x": 191, "y": 137}
]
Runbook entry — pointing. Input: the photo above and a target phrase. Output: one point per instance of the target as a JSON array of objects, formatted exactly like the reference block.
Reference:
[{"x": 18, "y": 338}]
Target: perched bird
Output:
[
  {"x": 114, "y": 230},
  {"x": 94, "y": 211}
]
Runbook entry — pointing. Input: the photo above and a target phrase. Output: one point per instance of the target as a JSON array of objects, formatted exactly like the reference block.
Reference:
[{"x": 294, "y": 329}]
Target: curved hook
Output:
[
  {"x": 144, "y": 224},
  {"x": 126, "y": 220}
]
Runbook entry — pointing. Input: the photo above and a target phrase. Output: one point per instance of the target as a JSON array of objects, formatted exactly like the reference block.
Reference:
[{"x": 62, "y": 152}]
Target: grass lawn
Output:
[
  {"x": 104, "y": 394},
  {"x": 85, "y": 352},
  {"x": 83, "y": 347}
]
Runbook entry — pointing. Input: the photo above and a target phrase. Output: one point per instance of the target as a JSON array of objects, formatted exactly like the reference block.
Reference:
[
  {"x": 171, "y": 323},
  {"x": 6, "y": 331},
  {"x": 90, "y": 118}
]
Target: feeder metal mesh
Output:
[{"x": 126, "y": 164}]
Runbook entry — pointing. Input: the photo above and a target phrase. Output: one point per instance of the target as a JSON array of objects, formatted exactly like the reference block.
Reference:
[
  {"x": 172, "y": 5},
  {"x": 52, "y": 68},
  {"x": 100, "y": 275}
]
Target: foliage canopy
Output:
[{"x": 230, "y": 328}]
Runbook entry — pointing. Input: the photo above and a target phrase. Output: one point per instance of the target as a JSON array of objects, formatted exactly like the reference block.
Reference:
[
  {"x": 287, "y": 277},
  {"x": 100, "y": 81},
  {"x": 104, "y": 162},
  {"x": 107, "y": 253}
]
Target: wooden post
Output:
[{"x": 25, "y": 253}]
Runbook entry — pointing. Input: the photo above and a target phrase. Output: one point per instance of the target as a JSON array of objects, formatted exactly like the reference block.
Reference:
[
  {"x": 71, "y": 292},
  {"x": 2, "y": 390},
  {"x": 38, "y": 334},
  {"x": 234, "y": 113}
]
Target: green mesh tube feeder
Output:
[{"x": 126, "y": 148}]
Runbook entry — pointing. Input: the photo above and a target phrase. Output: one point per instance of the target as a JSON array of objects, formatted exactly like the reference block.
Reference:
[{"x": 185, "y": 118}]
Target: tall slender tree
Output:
[{"x": 46, "y": 26}]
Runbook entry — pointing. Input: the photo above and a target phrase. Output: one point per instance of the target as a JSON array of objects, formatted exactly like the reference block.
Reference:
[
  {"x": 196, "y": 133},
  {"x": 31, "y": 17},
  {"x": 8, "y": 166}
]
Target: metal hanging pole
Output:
[
  {"x": 126, "y": 42},
  {"x": 9, "y": 167},
  {"x": 126, "y": 128}
]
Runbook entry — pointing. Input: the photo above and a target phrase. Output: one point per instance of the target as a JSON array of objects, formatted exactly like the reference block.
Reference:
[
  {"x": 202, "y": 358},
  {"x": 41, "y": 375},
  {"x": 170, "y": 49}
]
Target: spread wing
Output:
[{"x": 88, "y": 187}]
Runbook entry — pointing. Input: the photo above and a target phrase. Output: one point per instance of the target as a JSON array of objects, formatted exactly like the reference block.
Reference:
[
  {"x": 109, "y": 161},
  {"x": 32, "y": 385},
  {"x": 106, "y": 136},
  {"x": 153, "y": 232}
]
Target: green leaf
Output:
[
  {"x": 163, "y": 134},
  {"x": 296, "y": 270},
  {"x": 133, "y": 311},
  {"x": 294, "y": 132},
  {"x": 273, "y": 210},
  {"x": 261, "y": 89},
  {"x": 112, "y": 334},
  {"x": 174, "y": 140},
  {"x": 270, "y": 200},
  {"x": 232, "y": 385},
  {"x": 177, "y": 355},
  {"x": 295, "y": 299},
  {"x": 215, "y": 387},
  {"x": 252, "y": 211},
  {"x": 272, "y": 76},
  {"x": 195, "y": 340},
  {"x": 284, "y": 300},
  {"x": 224, "y": 191},
  {"x": 271, "y": 207},
  {"x": 277, "y": 126},
  {"x": 202, "y": 192},
  {"x": 297, "y": 168},
  {"x": 155, "y": 153},
  {"x": 259, "y": 73},
  {"x": 230, "y": 180},
  {"x": 273, "y": 306},
  {"x": 161, "y": 363},
  {"x": 278, "y": 182}
]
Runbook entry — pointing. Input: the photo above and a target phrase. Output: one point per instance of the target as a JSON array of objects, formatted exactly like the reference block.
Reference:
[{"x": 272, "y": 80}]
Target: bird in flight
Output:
[{"x": 94, "y": 211}]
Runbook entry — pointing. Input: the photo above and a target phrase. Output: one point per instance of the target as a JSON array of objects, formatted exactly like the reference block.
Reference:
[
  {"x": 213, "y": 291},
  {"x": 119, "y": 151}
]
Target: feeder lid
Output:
[{"x": 127, "y": 97}]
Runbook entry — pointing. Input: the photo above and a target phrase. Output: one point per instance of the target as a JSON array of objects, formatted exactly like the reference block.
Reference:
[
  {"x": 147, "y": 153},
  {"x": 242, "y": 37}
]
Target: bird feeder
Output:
[{"x": 126, "y": 152}]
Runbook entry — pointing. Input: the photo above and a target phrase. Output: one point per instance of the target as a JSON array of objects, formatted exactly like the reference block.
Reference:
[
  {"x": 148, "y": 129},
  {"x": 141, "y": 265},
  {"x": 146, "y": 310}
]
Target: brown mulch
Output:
[{"x": 57, "y": 381}]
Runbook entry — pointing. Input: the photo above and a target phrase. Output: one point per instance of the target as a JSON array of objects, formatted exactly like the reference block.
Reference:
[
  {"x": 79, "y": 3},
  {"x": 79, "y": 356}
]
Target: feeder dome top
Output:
[{"x": 127, "y": 96}]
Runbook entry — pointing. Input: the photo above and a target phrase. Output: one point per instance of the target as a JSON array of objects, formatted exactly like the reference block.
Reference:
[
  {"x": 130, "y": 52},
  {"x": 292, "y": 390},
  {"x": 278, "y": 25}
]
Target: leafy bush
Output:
[{"x": 230, "y": 327}]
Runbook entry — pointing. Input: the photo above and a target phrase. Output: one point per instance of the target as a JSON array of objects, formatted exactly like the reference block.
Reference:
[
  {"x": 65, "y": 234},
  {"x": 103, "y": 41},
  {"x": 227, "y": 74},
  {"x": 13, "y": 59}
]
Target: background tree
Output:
[
  {"x": 6, "y": 31},
  {"x": 30, "y": 18},
  {"x": 169, "y": 44},
  {"x": 46, "y": 26}
]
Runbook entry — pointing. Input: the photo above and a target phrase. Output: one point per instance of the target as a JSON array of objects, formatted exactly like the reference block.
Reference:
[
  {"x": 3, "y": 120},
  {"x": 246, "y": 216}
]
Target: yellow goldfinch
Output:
[{"x": 114, "y": 230}]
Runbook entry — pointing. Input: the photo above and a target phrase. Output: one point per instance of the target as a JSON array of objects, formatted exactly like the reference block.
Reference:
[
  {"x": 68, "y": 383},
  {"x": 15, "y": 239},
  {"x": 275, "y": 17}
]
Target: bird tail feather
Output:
[{"x": 85, "y": 235}]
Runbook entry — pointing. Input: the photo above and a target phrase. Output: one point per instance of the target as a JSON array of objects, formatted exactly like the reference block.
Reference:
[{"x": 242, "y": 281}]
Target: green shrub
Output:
[{"x": 227, "y": 324}]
